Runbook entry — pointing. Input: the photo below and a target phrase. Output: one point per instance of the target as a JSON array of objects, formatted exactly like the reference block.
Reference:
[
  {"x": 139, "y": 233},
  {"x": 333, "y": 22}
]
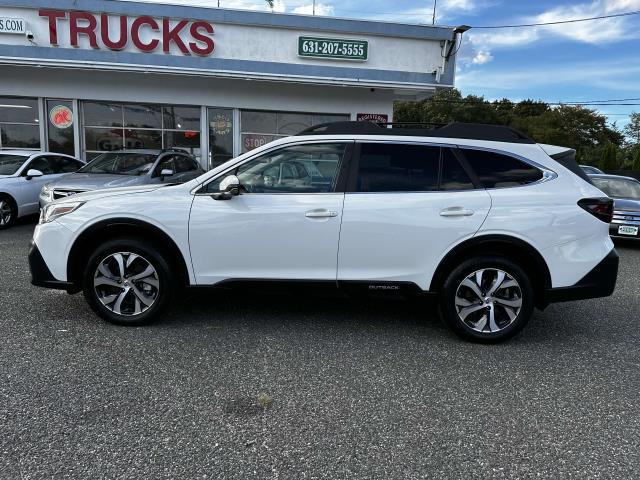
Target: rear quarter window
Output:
[{"x": 495, "y": 170}]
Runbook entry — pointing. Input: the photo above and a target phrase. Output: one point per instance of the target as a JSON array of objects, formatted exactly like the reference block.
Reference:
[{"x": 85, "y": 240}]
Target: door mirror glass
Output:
[
  {"x": 32, "y": 173},
  {"x": 229, "y": 188}
]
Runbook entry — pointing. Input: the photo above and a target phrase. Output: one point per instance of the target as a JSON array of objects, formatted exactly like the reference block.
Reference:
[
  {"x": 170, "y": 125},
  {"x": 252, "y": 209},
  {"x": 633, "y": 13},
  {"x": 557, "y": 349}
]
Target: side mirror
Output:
[
  {"x": 33, "y": 173},
  {"x": 229, "y": 188},
  {"x": 166, "y": 172}
]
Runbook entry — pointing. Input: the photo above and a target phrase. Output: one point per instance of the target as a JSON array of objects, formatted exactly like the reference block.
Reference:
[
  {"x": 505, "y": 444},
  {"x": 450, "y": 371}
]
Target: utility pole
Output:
[
  {"x": 435, "y": 5},
  {"x": 314, "y": 7}
]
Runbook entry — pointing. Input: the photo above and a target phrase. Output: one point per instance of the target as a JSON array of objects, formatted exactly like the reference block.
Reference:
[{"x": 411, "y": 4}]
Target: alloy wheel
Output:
[
  {"x": 126, "y": 283},
  {"x": 5, "y": 213},
  {"x": 488, "y": 300}
]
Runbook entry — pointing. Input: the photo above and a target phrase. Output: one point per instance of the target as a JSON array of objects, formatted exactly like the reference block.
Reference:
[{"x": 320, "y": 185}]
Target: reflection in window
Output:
[
  {"x": 112, "y": 126},
  {"x": 294, "y": 169},
  {"x": 498, "y": 171},
  {"x": 260, "y": 128},
  {"x": 19, "y": 120},
  {"x": 220, "y": 135}
]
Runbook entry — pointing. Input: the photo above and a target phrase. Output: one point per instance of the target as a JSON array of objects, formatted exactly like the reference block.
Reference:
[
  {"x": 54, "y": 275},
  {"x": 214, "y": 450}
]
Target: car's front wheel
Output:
[
  {"x": 8, "y": 212},
  {"x": 487, "y": 299},
  {"x": 127, "y": 282}
]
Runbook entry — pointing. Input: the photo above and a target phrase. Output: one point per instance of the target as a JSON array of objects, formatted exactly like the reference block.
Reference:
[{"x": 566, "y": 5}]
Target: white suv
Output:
[{"x": 480, "y": 217}]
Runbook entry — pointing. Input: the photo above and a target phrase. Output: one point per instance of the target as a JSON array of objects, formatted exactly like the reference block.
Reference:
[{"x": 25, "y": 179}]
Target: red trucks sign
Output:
[{"x": 189, "y": 37}]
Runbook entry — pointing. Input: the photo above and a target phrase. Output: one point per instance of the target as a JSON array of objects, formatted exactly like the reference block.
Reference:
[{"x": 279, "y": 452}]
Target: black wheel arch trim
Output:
[
  {"x": 487, "y": 244},
  {"x": 115, "y": 227}
]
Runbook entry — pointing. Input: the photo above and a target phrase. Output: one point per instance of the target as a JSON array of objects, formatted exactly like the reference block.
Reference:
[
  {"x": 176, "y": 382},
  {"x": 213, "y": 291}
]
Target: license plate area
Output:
[{"x": 626, "y": 230}]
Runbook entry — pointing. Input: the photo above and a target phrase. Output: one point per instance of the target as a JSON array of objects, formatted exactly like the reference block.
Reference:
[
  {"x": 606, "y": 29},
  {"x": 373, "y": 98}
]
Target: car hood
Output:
[
  {"x": 110, "y": 192},
  {"x": 93, "y": 181},
  {"x": 627, "y": 204}
]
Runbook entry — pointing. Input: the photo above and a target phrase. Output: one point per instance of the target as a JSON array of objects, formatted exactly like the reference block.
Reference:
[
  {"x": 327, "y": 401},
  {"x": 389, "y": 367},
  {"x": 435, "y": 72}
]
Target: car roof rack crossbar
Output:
[{"x": 469, "y": 131}]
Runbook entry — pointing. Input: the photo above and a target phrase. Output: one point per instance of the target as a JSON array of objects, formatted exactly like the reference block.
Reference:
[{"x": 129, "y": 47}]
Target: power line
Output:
[{"x": 560, "y": 22}]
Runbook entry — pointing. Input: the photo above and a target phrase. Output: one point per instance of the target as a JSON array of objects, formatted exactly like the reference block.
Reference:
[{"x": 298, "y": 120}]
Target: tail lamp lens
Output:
[{"x": 601, "y": 208}]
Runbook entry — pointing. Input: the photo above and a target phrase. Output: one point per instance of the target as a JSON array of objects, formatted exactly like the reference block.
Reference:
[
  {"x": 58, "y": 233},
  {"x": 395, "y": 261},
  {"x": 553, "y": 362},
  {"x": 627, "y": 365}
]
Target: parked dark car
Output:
[
  {"x": 625, "y": 192},
  {"x": 589, "y": 170}
]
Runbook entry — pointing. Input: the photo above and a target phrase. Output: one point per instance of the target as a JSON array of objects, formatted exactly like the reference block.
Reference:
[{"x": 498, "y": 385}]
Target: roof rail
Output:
[{"x": 471, "y": 131}]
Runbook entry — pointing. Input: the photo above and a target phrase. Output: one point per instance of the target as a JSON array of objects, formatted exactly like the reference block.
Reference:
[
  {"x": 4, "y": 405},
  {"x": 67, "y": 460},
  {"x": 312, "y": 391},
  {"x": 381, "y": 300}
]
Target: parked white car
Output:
[
  {"x": 22, "y": 175},
  {"x": 479, "y": 217}
]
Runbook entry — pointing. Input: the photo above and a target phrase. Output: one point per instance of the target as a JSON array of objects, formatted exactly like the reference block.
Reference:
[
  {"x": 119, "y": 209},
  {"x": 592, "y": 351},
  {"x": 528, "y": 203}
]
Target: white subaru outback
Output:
[{"x": 480, "y": 217}]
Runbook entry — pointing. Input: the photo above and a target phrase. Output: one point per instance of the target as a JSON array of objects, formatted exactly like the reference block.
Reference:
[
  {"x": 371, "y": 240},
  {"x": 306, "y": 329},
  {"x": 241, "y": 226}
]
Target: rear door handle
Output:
[
  {"x": 320, "y": 213},
  {"x": 456, "y": 212}
]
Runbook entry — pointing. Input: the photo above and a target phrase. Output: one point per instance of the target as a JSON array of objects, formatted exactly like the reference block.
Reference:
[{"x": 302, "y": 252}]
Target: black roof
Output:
[{"x": 471, "y": 131}]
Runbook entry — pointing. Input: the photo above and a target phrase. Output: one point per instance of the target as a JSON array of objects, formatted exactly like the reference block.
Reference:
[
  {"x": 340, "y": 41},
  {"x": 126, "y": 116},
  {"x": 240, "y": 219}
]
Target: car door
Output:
[
  {"x": 406, "y": 205},
  {"x": 278, "y": 228},
  {"x": 30, "y": 186}
]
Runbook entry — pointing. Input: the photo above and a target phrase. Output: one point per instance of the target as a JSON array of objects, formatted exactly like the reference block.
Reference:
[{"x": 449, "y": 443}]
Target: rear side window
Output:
[
  {"x": 454, "y": 177},
  {"x": 398, "y": 168},
  {"x": 495, "y": 170}
]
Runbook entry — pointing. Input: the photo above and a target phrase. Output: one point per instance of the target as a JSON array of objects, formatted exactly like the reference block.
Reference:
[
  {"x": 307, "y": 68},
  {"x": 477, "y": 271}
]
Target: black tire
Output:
[
  {"x": 8, "y": 205},
  {"x": 507, "y": 327},
  {"x": 162, "y": 295}
]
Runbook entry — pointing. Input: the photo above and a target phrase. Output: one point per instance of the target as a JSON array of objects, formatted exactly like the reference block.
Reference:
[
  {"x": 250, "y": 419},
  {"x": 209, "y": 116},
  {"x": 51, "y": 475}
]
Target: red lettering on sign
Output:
[
  {"x": 173, "y": 35},
  {"x": 209, "y": 45},
  {"x": 88, "y": 30},
  {"x": 135, "y": 34},
  {"x": 104, "y": 33},
  {"x": 53, "y": 16}
]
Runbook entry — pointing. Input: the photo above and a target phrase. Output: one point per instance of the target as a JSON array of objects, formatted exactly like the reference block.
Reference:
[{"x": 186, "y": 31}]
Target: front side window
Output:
[
  {"x": 495, "y": 170},
  {"x": 42, "y": 164},
  {"x": 66, "y": 165},
  {"x": 295, "y": 169},
  {"x": 398, "y": 168},
  {"x": 119, "y": 163},
  {"x": 10, "y": 164}
]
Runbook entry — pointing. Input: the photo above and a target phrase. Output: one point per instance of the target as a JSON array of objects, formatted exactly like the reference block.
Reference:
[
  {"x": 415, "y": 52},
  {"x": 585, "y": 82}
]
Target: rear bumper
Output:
[
  {"x": 41, "y": 276},
  {"x": 599, "y": 282}
]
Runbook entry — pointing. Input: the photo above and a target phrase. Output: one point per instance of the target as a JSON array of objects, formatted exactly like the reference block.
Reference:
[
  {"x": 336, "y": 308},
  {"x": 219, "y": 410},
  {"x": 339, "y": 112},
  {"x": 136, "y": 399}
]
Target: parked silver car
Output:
[
  {"x": 625, "y": 192},
  {"x": 124, "y": 168},
  {"x": 22, "y": 175}
]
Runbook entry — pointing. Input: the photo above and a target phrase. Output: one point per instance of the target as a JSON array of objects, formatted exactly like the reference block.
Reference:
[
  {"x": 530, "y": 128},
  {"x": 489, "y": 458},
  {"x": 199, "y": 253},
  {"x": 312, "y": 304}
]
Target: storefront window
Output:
[
  {"x": 19, "y": 123},
  {"x": 60, "y": 126},
  {"x": 112, "y": 126},
  {"x": 260, "y": 128},
  {"x": 220, "y": 136}
]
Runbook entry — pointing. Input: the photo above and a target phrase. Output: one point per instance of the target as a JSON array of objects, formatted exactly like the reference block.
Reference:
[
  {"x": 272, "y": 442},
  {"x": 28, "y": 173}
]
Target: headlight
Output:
[{"x": 57, "y": 210}]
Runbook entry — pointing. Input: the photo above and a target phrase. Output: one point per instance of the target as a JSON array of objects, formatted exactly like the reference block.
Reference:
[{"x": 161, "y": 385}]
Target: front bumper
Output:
[
  {"x": 599, "y": 282},
  {"x": 41, "y": 276}
]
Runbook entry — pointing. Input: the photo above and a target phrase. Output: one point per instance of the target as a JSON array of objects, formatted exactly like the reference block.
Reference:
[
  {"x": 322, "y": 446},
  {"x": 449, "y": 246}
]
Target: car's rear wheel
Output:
[
  {"x": 8, "y": 212},
  {"x": 487, "y": 299},
  {"x": 127, "y": 282}
]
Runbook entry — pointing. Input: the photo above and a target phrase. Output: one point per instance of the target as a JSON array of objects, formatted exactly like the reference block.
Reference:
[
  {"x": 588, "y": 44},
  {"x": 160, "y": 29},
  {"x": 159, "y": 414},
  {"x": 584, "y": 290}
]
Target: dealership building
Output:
[{"x": 87, "y": 76}]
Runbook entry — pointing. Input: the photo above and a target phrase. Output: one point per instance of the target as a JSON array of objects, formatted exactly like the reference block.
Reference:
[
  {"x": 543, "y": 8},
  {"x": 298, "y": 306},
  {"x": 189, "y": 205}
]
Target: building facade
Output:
[{"x": 87, "y": 76}]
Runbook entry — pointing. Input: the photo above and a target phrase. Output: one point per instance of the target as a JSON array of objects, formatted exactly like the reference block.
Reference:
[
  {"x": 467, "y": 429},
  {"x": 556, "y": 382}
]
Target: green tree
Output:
[
  {"x": 636, "y": 159},
  {"x": 632, "y": 130},
  {"x": 609, "y": 159},
  {"x": 571, "y": 126}
]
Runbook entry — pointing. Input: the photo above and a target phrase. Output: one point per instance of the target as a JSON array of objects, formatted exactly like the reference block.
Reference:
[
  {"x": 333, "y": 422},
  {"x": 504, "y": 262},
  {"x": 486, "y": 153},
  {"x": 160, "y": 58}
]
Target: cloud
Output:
[
  {"x": 482, "y": 57},
  {"x": 321, "y": 9},
  {"x": 608, "y": 30}
]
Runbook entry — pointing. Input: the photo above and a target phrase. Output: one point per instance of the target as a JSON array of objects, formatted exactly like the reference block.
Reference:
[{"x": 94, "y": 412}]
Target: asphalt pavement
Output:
[{"x": 232, "y": 386}]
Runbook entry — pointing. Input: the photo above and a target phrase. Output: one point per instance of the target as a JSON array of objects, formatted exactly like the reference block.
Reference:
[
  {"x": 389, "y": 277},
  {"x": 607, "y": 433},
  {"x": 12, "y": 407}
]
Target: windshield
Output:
[
  {"x": 9, "y": 164},
  {"x": 619, "y": 187},
  {"x": 121, "y": 163}
]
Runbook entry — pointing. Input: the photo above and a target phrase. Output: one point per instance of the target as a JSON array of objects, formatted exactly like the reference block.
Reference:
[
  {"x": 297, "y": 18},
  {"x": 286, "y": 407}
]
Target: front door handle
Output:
[
  {"x": 320, "y": 213},
  {"x": 456, "y": 212}
]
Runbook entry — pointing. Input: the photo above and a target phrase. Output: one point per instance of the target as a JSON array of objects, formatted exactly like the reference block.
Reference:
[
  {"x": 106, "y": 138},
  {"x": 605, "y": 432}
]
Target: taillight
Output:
[{"x": 601, "y": 208}]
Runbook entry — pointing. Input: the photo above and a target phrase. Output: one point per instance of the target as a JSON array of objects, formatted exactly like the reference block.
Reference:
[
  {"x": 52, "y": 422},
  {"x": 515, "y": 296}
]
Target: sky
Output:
[{"x": 587, "y": 61}]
